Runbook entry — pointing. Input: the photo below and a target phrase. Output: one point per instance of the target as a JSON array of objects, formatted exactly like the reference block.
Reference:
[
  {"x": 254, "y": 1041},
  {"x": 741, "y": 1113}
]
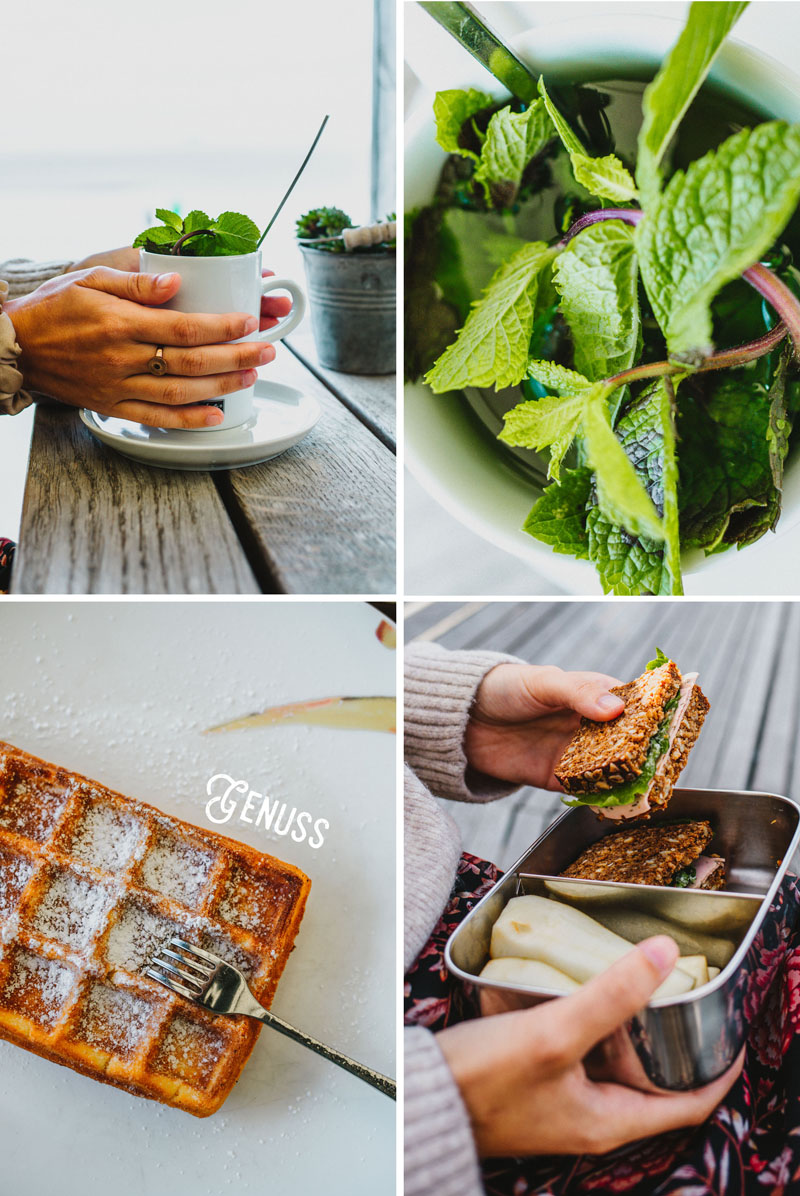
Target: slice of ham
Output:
[
  {"x": 704, "y": 866},
  {"x": 642, "y": 804}
]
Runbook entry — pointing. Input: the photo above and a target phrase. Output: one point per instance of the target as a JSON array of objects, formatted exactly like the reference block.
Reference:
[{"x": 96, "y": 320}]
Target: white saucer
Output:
[{"x": 282, "y": 417}]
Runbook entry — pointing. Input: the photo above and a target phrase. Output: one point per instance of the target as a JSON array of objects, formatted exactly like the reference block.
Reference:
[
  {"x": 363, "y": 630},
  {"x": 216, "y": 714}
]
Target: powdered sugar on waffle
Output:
[
  {"x": 72, "y": 911},
  {"x": 15, "y": 872},
  {"x": 51, "y": 981},
  {"x": 137, "y": 936},
  {"x": 176, "y": 869},
  {"x": 105, "y": 838},
  {"x": 115, "y": 1019}
]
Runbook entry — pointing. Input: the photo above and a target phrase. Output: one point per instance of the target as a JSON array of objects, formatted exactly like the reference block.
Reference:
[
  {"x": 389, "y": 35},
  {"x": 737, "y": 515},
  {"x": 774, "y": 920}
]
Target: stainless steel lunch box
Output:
[{"x": 686, "y": 1041}]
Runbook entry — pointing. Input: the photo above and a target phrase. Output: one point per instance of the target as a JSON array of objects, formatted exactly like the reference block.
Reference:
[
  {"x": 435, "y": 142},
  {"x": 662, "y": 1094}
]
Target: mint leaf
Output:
[
  {"x": 679, "y": 79},
  {"x": 557, "y": 377},
  {"x": 621, "y": 496},
  {"x": 473, "y": 245},
  {"x": 550, "y": 421},
  {"x": 171, "y": 219},
  {"x": 605, "y": 177},
  {"x": 663, "y": 398},
  {"x": 626, "y": 566},
  {"x": 226, "y": 244},
  {"x": 558, "y": 517},
  {"x": 512, "y": 140},
  {"x": 597, "y": 278},
  {"x": 237, "y": 225},
  {"x": 159, "y": 234},
  {"x": 728, "y": 491},
  {"x": 492, "y": 347},
  {"x": 196, "y": 219},
  {"x": 569, "y": 138},
  {"x": 630, "y": 565},
  {"x": 710, "y": 224},
  {"x": 779, "y": 424},
  {"x": 450, "y": 110}
]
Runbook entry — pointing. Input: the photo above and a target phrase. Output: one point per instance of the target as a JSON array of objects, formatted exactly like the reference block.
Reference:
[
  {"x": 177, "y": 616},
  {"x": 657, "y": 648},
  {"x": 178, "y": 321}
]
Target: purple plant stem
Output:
[
  {"x": 779, "y": 297},
  {"x": 629, "y": 215},
  {"x": 725, "y": 359},
  {"x": 768, "y": 285}
]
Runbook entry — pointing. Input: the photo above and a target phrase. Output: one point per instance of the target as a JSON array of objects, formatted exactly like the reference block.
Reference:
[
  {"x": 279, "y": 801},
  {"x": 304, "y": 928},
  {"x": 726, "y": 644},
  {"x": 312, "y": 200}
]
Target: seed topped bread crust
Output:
[
  {"x": 644, "y": 855},
  {"x": 602, "y": 755}
]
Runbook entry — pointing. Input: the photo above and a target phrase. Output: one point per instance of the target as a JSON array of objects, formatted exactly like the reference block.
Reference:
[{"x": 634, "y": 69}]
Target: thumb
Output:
[
  {"x": 608, "y": 1001},
  {"x": 150, "y": 289},
  {"x": 587, "y": 693}
]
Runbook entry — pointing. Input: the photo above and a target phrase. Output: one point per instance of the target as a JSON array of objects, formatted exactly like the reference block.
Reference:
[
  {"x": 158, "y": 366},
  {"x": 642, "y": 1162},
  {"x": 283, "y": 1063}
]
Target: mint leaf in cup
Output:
[
  {"x": 666, "y": 100},
  {"x": 604, "y": 177},
  {"x": 512, "y": 140},
  {"x": 710, "y": 224},
  {"x": 451, "y": 110},
  {"x": 230, "y": 234},
  {"x": 597, "y": 278}
]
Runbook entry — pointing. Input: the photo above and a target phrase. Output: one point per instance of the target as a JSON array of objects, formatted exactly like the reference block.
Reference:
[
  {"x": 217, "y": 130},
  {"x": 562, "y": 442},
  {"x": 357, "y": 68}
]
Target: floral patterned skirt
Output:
[{"x": 751, "y": 1144}]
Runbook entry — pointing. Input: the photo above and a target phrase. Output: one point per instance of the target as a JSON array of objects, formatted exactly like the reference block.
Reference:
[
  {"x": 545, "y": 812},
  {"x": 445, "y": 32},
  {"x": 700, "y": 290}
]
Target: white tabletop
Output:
[{"x": 121, "y": 692}]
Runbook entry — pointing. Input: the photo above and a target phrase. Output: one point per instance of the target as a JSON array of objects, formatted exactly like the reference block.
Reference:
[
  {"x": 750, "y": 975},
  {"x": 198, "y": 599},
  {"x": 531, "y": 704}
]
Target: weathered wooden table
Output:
[
  {"x": 320, "y": 519},
  {"x": 746, "y": 653}
]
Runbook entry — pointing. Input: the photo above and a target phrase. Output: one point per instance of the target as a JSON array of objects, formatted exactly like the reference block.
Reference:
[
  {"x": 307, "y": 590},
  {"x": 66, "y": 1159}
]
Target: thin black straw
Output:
[{"x": 294, "y": 180}]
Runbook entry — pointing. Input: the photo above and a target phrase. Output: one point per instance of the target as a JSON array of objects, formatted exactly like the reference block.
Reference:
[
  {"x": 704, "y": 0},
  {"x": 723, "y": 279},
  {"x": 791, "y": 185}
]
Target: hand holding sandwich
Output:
[
  {"x": 529, "y": 1087},
  {"x": 525, "y": 715}
]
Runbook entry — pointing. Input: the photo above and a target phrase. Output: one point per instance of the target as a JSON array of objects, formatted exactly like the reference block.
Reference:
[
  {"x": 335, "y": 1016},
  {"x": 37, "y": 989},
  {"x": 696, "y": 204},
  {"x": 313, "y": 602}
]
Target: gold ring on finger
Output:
[{"x": 157, "y": 365}]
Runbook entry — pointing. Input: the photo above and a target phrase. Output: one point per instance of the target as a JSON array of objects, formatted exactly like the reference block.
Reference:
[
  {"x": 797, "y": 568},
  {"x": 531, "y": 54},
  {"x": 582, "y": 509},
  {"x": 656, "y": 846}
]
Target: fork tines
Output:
[{"x": 192, "y": 977}]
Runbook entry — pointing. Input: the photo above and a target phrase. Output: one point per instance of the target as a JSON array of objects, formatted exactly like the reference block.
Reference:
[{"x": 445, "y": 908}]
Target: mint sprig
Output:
[
  {"x": 231, "y": 233},
  {"x": 666, "y": 100},
  {"x": 605, "y": 177}
]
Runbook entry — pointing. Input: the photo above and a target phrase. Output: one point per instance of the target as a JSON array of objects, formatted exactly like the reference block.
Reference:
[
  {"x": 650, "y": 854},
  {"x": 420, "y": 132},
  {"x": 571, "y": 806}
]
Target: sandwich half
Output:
[
  {"x": 628, "y": 767},
  {"x": 669, "y": 853}
]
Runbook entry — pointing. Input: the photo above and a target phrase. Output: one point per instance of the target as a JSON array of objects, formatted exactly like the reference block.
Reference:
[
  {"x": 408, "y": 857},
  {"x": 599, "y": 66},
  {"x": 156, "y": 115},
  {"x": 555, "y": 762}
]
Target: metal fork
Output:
[{"x": 208, "y": 980}]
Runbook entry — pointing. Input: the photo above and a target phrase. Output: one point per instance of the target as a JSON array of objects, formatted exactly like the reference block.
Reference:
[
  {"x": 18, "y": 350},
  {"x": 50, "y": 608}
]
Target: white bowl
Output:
[{"x": 443, "y": 447}]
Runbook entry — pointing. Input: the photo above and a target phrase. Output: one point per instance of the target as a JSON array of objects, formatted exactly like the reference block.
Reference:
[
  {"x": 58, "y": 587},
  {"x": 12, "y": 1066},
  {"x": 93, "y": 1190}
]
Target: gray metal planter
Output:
[{"x": 353, "y": 309}]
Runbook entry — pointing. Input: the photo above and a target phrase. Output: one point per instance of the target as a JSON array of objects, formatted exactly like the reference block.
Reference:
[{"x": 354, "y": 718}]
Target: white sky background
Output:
[{"x": 113, "y": 112}]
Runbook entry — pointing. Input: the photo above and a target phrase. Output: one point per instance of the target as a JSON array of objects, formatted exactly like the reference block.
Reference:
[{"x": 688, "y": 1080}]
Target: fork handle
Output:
[{"x": 381, "y": 1082}]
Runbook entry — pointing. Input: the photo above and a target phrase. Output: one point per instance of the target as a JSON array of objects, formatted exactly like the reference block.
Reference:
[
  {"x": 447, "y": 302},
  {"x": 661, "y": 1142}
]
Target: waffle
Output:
[{"x": 92, "y": 884}]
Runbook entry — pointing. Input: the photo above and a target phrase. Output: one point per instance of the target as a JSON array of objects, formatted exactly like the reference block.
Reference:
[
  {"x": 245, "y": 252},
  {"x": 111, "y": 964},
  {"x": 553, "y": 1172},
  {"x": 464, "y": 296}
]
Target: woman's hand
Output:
[
  {"x": 524, "y": 715},
  {"x": 523, "y": 1079},
  {"x": 273, "y": 307},
  {"x": 87, "y": 336}
]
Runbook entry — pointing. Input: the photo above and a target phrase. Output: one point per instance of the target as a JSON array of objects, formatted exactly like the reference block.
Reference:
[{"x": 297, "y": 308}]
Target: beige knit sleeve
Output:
[
  {"x": 440, "y": 687},
  {"x": 24, "y": 276},
  {"x": 440, "y": 1157}
]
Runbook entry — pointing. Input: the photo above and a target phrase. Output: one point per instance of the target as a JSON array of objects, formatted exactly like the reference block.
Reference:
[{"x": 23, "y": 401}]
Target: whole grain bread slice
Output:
[
  {"x": 602, "y": 755},
  {"x": 643, "y": 855}
]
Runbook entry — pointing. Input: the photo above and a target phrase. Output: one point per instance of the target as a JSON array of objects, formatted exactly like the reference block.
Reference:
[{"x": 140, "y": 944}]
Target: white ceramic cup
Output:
[{"x": 216, "y": 285}]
